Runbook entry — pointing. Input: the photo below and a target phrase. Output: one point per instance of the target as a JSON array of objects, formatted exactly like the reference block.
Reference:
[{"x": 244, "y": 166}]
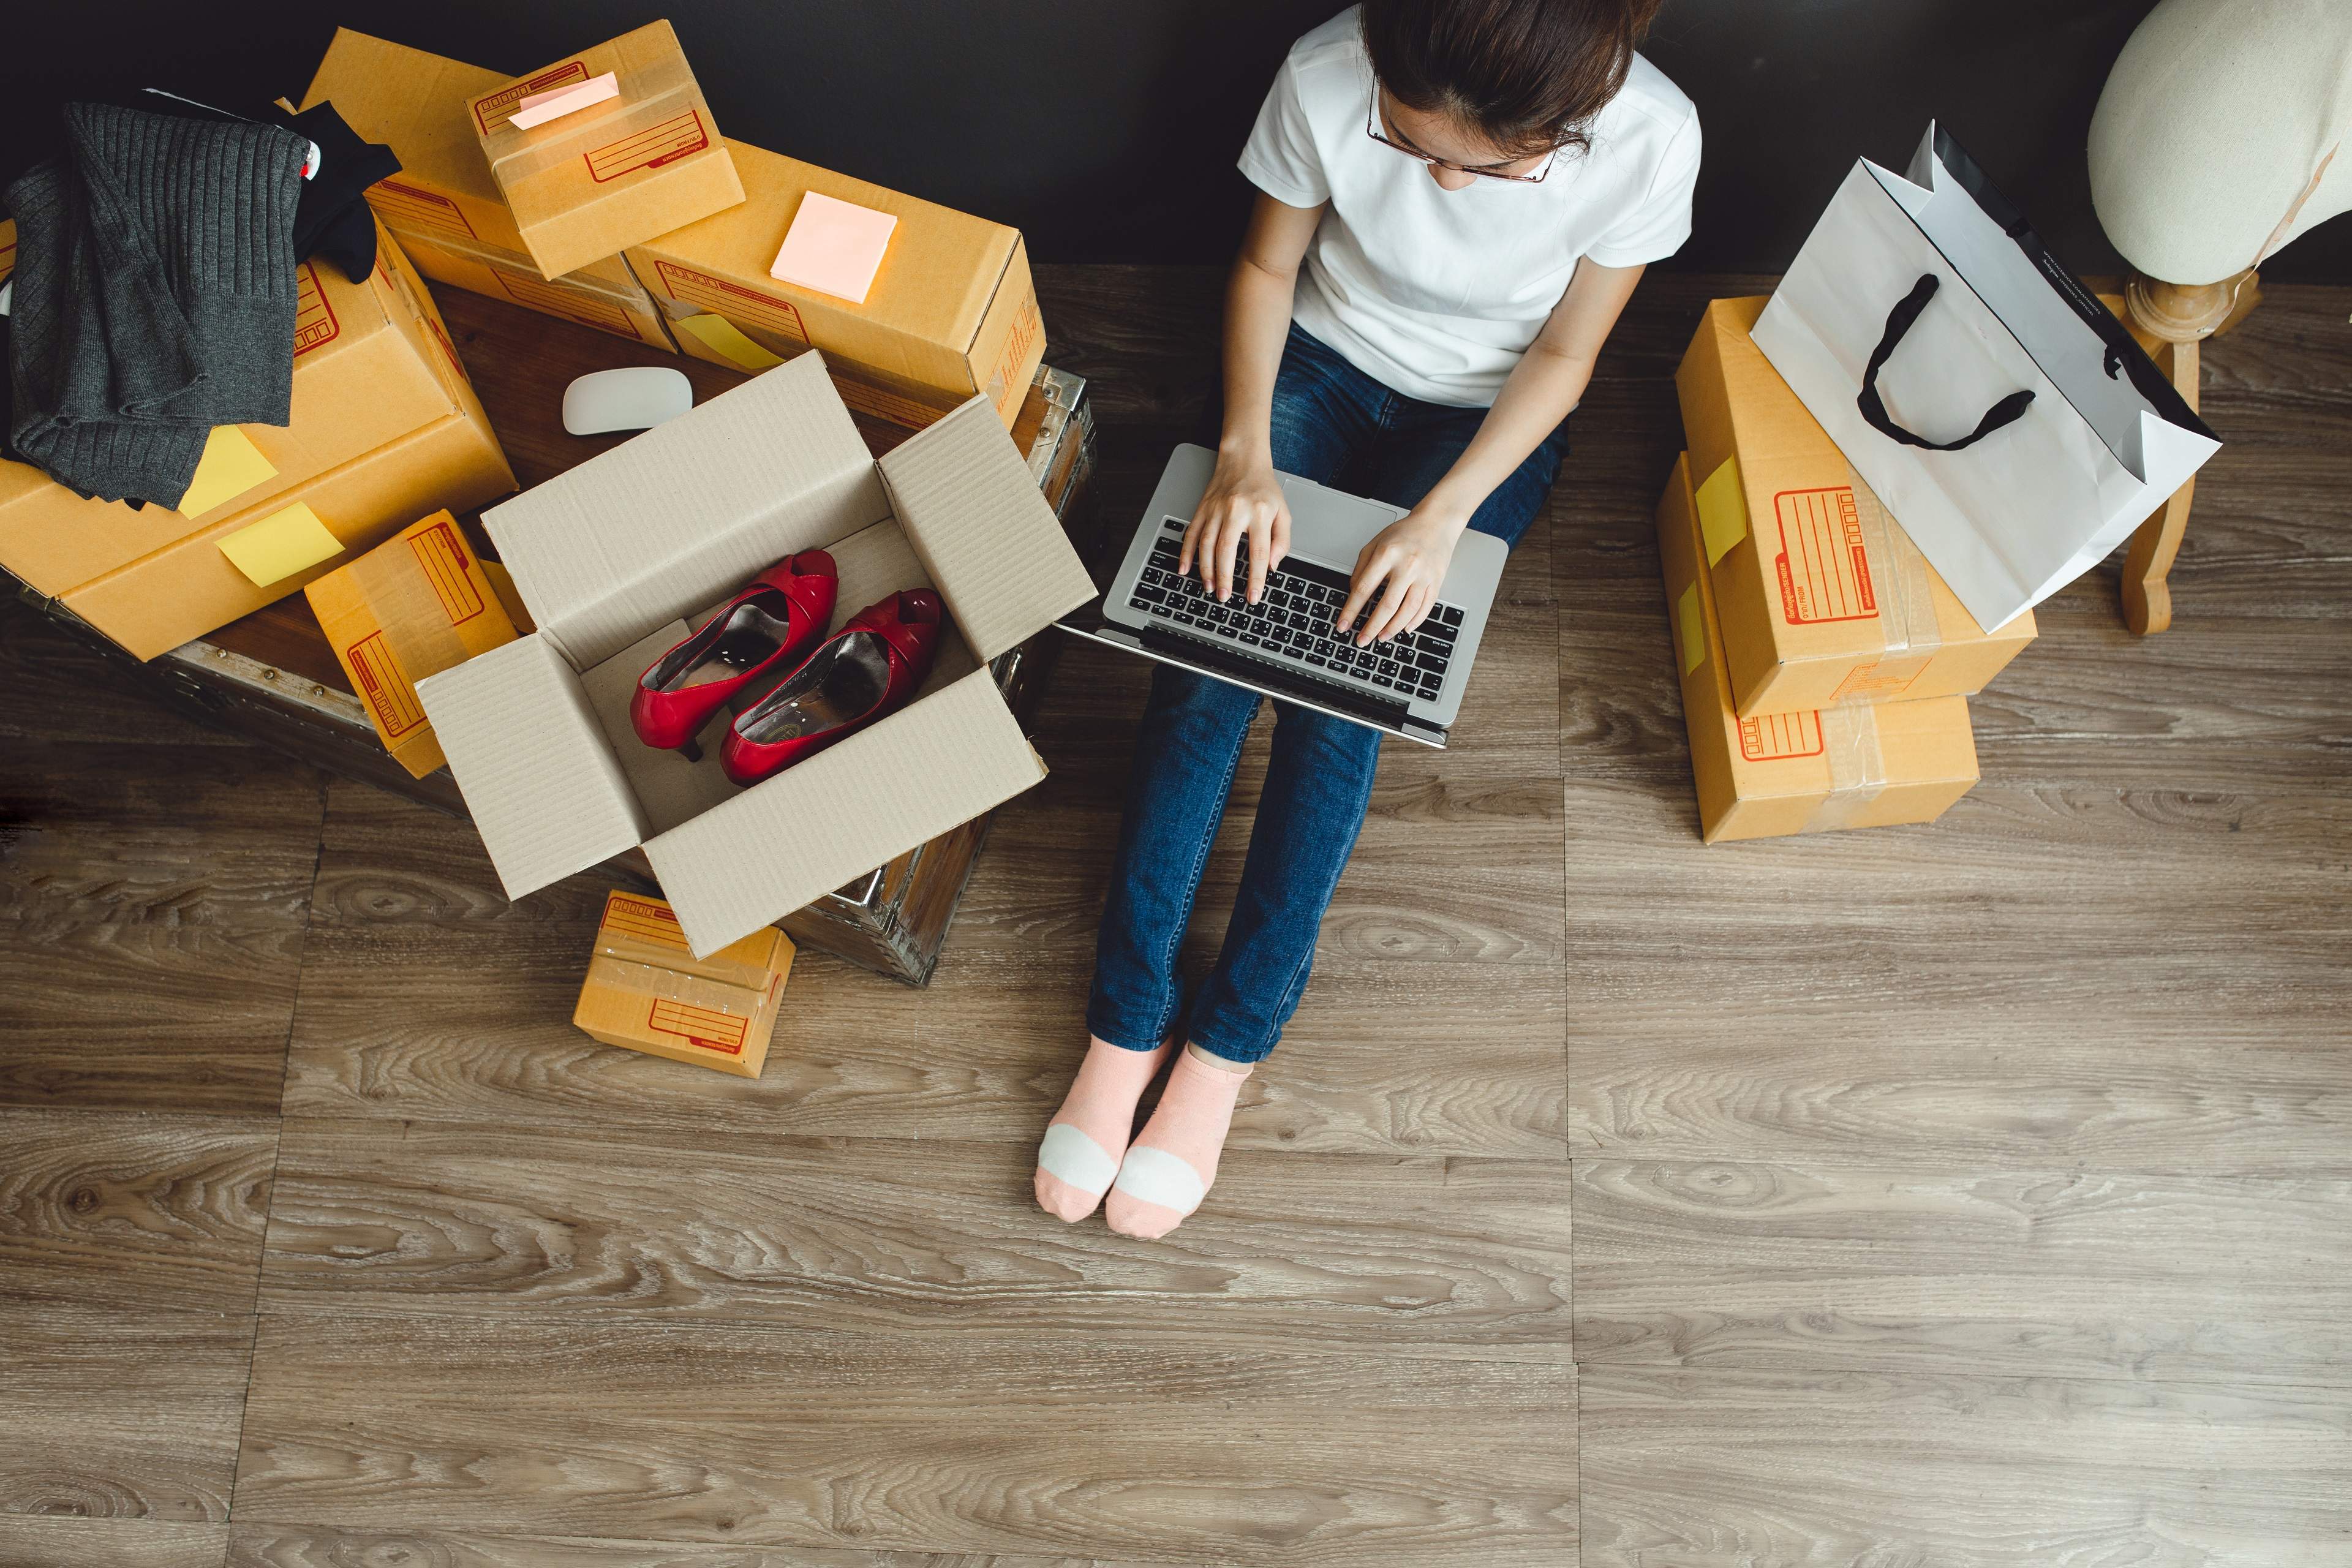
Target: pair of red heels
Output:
[{"x": 824, "y": 689}]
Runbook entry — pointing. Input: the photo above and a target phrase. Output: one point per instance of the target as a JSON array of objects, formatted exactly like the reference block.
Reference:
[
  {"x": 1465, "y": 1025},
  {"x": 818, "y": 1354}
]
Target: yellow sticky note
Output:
[
  {"x": 719, "y": 335},
  {"x": 280, "y": 545},
  {"x": 231, "y": 465},
  {"x": 1690, "y": 629},
  {"x": 1722, "y": 510}
]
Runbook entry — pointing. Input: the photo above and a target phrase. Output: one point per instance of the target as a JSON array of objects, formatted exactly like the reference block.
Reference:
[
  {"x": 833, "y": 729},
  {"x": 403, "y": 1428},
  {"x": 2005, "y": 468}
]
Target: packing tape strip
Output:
[
  {"x": 1857, "y": 767},
  {"x": 1899, "y": 576},
  {"x": 717, "y": 996},
  {"x": 652, "y": 97}
]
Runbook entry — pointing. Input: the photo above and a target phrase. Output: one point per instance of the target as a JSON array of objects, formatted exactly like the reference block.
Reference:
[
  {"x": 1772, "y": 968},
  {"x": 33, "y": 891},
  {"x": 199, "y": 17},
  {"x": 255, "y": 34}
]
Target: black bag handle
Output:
[{"x": 2008, "y": 411}]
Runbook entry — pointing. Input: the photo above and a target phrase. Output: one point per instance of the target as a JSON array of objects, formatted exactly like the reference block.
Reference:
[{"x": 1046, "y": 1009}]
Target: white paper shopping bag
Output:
[{"x": 2000, "y": 411}]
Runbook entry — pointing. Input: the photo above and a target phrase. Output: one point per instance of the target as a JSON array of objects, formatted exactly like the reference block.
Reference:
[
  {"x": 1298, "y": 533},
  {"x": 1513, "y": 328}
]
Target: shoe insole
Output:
[
  {"x": 749, "y": 638},
  {"x": 843, "y": 684}
]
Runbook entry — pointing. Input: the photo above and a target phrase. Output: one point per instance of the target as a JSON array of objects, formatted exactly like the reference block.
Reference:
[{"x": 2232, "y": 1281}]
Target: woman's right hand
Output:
[{"x": 1244, "y": 501}]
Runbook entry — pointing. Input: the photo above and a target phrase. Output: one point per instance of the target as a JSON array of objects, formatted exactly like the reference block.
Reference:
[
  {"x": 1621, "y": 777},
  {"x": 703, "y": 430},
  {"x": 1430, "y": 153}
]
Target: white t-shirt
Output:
[{"x": 1434, "y": 292}]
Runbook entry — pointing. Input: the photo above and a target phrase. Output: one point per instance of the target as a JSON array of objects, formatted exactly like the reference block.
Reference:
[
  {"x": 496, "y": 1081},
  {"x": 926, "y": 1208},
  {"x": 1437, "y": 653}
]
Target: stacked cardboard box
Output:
[
  {"x": 1825, "y": 666},
  {"x": 385, "y": 429},
  {"x": 632, "y": 152},
  {"x": 448, "y": 211},
  {"x": 952, "y": 313}
]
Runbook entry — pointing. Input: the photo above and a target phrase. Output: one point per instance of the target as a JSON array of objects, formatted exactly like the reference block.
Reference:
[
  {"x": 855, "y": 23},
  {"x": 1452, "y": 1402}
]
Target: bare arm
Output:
[
  {"x": 1244, "y": 500},
  {"x": 1405, "y": 563}
]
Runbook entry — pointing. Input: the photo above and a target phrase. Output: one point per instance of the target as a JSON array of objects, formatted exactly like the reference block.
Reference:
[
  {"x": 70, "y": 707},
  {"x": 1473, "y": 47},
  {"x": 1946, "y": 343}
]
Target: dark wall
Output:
[{"x": 1106, "y": 128}]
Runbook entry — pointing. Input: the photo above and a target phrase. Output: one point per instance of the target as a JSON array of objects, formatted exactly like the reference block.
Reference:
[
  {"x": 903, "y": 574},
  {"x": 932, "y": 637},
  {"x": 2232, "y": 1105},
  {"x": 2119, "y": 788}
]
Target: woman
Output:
[{"x": 1473, "y": 187}]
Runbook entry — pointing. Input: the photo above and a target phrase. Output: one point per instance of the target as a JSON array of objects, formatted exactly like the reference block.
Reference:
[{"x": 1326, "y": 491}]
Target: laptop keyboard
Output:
[{"x": 1291, "y": 623}]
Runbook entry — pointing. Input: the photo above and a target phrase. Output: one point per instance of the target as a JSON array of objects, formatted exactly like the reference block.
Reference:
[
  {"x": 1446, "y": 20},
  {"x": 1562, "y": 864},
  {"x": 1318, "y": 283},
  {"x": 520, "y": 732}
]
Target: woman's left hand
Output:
[{"x": 1403, "y": 565}]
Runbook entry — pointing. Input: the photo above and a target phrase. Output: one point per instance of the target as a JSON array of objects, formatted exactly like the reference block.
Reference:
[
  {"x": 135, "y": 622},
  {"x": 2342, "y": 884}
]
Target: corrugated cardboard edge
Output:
[
  {"x": 978, "y": 522},
  {"x": 913, "y": 776},
  {"x": 539, "y": 779}
]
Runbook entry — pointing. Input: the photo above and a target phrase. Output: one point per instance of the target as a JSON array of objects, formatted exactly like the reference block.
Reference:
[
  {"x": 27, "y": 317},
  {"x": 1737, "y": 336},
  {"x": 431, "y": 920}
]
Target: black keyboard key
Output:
[
  {"x": 1318, "y": 661},
  {"x": 1449, "y": 615},
  {"x": 1430, "y": 662}
]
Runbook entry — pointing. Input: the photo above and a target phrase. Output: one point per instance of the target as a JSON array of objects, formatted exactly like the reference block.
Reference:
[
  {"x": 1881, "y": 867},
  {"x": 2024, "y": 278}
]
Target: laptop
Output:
[{"x": 1284, "y": 646}]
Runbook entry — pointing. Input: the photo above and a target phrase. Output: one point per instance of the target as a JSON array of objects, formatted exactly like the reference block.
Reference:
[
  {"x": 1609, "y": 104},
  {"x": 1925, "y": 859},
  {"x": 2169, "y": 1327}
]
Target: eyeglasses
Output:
[{"x": 1372, "y": 130}]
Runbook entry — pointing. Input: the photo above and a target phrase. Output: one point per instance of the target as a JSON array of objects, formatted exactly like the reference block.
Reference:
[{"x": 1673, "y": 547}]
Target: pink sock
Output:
[
  {"x": 1168, "y": 1172},
  {"x": 1087, "y": 1137}
]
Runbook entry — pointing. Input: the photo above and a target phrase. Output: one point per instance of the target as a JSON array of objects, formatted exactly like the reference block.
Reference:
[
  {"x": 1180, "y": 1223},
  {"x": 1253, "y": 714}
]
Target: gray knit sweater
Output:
[{"x": 154, "y": 296}]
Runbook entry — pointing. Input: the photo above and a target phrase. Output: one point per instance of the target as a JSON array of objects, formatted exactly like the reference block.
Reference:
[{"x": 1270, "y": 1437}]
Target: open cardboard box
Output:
[{"x": 614, "y": 558}]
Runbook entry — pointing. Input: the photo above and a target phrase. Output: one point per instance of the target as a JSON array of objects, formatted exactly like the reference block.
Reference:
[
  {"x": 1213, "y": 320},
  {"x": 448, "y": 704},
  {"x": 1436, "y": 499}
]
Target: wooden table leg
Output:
[{"x": 2148, "y": 598}]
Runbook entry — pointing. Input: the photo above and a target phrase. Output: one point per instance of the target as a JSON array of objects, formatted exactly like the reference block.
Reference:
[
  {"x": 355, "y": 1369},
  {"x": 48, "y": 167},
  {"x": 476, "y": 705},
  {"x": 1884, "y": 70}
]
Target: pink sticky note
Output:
[
  {"x": 542, "y": 107},
  {"x": 834, "y": 246}
]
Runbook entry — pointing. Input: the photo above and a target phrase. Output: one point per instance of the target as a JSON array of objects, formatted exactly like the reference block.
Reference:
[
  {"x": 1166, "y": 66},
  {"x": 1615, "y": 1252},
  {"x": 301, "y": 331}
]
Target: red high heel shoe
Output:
[
  {"x": 871, "y": 666},
  {"x": 761, "y": 633}
]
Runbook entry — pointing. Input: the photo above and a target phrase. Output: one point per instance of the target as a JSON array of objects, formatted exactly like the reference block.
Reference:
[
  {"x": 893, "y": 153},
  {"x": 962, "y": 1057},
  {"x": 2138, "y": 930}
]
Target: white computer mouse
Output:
[{"x": 638, "y": 398}]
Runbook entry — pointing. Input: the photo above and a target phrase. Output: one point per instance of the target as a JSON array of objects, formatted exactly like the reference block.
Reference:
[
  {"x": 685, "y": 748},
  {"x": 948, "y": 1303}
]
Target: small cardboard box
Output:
[
  {"x": 414, "y": 606},
  {"x": 951, "y": 313},
  {"x": 1826, "y": 602},
  {"x": 611, "y": 558},
  {"x": 587, "y": 185},
  {"x": 371, "y": 365},
  {"x": 443, "y": 204},
  {"x": 1864, "y": 765},
  {"x": 648, "y": 991}
]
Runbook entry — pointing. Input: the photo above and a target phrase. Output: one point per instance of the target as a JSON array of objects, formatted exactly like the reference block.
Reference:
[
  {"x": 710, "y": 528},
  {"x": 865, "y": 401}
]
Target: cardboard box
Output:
[
  {"x": 371, "y": 365},
  {"x": 1864, "y": 765},
  {"x": 611, "y": 556},
  {"x": 193, "y": 584},
  {"x": 952, "y": 312},
  {"x": 1825, "y": 600},
  {"x": 587, "y": 185},
  {"x": 590, "y": 296},
  {"x": 443, "y": 204},
  {"x": 648, "y": 991},
  {"x": 411, "y": 607}
]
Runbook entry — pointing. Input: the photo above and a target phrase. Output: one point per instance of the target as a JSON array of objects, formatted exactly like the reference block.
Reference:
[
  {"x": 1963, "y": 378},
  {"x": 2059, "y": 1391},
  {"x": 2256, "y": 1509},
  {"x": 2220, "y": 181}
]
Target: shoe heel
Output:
[{"x": 692, "y": 750}]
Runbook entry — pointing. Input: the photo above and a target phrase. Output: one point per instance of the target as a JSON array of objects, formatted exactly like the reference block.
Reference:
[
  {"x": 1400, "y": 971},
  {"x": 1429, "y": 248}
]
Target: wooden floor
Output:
[{"x": 1974, "y": 1193}]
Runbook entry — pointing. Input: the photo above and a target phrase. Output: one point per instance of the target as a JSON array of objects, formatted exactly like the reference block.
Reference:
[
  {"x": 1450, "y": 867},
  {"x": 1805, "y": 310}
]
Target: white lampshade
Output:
[{"x": 2222, "y": 133}]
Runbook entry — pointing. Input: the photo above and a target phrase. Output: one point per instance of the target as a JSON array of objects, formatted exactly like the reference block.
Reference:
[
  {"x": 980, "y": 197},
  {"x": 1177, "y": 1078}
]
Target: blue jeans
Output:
[{"x": 1331, "y": 423}]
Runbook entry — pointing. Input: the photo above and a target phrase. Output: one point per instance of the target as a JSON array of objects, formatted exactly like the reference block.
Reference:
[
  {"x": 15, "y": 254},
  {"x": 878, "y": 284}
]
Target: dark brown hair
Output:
[{"x": 1528, "y": 75}]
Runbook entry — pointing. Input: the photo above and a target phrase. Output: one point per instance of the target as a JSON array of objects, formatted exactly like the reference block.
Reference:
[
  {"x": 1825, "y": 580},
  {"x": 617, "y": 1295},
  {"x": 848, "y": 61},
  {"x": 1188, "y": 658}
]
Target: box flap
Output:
[
  {"x": 982, "y": 531},
  {"x": 913, "y": 776},
  {"x": 686, "y": 513},
  {"x": 539, "y": 781}
]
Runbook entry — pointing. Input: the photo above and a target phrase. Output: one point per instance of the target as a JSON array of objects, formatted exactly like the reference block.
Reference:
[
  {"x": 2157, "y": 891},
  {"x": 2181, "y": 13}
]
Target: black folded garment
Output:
[
  {"x": 154, "y": 297},
  {"x": 333, "y": 220}
]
